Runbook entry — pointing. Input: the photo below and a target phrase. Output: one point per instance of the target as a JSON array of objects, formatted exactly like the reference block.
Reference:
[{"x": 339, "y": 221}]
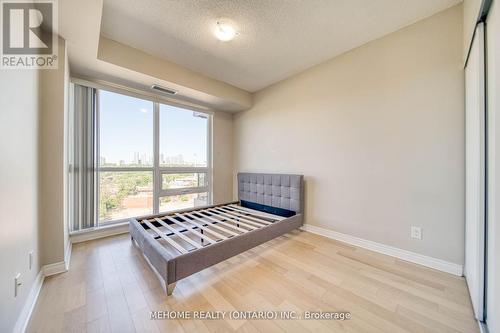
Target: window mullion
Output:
[
  {"x": 181, "y": 191},
  {"x": 156, "y": 158},
  {"x": 209, "y": 159},
  {"x": 97, "y": 147}
]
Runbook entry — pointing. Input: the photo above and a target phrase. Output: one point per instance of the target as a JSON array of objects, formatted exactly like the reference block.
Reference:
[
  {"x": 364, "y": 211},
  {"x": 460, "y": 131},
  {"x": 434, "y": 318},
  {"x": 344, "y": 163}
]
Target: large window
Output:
[
  {"x": 185, "y": 145},
  {"x": 153, "y": 157}
]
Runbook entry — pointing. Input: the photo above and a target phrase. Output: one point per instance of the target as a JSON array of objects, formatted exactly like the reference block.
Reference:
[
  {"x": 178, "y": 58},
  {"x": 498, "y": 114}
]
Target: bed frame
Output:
[{"x": 184, "y": 242}]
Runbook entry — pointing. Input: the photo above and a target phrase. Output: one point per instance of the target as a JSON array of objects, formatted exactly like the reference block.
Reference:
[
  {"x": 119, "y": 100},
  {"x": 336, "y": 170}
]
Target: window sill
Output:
[{"x": 99, "y": 232}]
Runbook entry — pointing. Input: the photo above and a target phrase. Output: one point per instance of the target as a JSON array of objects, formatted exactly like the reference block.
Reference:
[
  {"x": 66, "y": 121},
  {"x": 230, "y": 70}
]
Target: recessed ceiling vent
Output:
[{"x": 163, "y": 89}]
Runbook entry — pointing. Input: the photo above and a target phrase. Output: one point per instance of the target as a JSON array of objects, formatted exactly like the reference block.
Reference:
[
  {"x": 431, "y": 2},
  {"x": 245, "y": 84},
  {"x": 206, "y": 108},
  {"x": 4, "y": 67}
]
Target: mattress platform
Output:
[{"x": 181, "y": 243}]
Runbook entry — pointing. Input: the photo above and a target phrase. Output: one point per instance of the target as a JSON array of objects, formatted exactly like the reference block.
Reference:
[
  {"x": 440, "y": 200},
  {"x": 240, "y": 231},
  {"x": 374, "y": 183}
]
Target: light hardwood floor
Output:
[{"x": 110, "y": 288}]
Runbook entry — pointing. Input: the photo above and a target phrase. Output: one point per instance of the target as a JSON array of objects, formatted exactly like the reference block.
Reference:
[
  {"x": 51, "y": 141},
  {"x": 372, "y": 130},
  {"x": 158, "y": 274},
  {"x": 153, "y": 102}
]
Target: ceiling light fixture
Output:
[{"x": 224, "y": 32}]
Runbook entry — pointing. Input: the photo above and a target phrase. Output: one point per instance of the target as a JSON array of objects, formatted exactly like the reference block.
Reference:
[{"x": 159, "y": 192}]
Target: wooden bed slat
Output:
[
  {"x": 232, "y": 233},
  {"x": 197, "y": 233},
  {"x": 257, "y": 213},
  {"x": 176, "y": 245},
  {"x": 225, "y": 218},
  {"x": 240, "y": 219},
  {"x": 245, "y": 217},
  {"x": 216, "y": 234},
  {"x": 217, "y": 215},
  {"x": 180, "y": 234},
  {"x": 227, "y": 225}
]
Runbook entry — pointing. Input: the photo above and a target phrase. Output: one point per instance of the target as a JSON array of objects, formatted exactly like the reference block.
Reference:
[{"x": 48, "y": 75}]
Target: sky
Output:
[{"x": 126, "y": 126}]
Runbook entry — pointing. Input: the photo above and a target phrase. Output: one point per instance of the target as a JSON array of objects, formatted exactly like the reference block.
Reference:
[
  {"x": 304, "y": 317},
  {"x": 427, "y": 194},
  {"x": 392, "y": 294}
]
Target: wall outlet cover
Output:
[
  {"x": 30, "y": 265},
  {"x": 416, "y": 232},
  {"x": 17, "y": 284}
]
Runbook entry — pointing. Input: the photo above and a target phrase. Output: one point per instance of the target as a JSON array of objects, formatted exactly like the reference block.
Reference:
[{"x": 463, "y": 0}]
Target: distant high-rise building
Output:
[
  {"x": 175, "y": 160},
  {"x": 144, "y": 159},
  {"x": 102, "y": 160},
  {"x": 136, "y": 158}
]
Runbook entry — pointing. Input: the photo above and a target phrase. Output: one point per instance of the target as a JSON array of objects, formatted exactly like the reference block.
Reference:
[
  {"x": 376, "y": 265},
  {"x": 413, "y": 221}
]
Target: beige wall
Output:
[
  {"x": 378, "y": 133},
  {"x": 222, "y": 157},
  {"x": 53, "y": 104},
  {"x": 19, "y": 224},
  {"x": 493, "y": 70},
  {"x": 32, "y": 106}
]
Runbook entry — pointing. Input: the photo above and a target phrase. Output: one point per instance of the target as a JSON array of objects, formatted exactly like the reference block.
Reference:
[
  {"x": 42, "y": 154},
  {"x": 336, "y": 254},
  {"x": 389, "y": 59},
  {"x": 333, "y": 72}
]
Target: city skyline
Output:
[{"x": 148, "y": 159}]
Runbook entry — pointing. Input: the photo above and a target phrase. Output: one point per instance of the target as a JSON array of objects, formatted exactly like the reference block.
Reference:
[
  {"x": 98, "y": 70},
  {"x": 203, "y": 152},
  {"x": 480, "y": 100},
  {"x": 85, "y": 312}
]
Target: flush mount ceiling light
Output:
[{"x": 224, "y": 31}]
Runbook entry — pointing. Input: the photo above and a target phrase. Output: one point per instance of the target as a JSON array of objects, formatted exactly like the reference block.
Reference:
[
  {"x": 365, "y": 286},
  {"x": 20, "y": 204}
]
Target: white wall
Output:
[
  {"x": 19, "y": 183},
  {"x": 493, "y": 107},
  {"x": 378, "y": 133}
]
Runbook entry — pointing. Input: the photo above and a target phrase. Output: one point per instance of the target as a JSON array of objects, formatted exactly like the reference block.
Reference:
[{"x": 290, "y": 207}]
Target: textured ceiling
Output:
[{"x": 277, "y": 38}]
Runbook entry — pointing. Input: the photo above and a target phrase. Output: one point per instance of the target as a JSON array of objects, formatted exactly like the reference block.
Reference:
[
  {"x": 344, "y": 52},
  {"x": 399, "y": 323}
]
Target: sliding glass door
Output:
[{"x": 153, "y": 157}]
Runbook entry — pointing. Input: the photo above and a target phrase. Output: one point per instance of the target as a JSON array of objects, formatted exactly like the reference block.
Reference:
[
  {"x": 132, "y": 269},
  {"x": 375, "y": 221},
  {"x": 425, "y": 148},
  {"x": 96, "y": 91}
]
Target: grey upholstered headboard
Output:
[{"x": 276, "y": 190}]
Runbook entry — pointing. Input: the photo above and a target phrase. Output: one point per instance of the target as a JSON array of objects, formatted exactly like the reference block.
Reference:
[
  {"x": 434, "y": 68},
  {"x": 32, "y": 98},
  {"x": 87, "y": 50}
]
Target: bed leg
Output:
[{"x": 170, "y": 288}]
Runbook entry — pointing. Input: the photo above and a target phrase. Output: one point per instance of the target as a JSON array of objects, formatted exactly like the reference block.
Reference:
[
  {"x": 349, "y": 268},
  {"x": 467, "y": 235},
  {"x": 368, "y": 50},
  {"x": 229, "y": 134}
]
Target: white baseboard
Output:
[
  {"x": 55, "y": 268},
  {"x": 29, "y": 305},
  {"x": 438, "y": 264},
  {"x": 46, "y": 270},
  {"x": 59, "y": 267},
  {"x": 86, "y": 235}
]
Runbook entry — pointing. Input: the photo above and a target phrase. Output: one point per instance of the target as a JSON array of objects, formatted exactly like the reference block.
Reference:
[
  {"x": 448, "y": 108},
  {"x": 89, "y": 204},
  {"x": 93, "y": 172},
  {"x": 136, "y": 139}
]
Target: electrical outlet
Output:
[
  {"x": 416, "y": 232},
  {"x": 17, "y": 284},
  {"x": 30, "y": 259}
]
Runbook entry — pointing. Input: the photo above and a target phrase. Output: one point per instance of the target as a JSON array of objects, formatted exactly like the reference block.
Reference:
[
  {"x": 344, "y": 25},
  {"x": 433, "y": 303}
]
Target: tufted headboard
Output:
[{"x": 273, "y": 190}]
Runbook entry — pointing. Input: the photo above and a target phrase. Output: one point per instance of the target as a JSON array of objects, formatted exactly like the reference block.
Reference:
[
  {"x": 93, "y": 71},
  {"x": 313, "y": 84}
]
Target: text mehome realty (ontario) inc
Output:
[{"x": 251, "y": 315}]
